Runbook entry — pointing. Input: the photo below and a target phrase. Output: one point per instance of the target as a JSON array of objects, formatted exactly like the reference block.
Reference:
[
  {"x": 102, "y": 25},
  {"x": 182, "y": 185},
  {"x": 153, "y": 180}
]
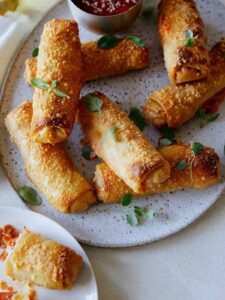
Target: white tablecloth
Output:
[{"x": 187, "y": 266}]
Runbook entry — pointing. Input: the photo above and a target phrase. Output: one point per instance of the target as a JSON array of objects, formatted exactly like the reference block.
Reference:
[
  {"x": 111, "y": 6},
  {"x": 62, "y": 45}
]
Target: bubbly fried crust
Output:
[
  {"x": 205, "y": 172},
  {"x": 116, "y": 140},
  {"x": 59, "y": 59},
  {"x": 43, "y": 262},
  {"x": 184, "y": 64},
  {"x": 101, "y": 63},
  {"x": 48, "y": 166},
  {"x": 174, "y": 105}
]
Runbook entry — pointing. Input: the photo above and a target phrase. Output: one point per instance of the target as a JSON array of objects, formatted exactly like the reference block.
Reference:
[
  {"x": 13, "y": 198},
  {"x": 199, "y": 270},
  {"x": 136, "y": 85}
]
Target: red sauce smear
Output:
[
  {"x": 212, "y": 105},
  {"x": 8, "y": 237},
  {"x": 105, "y": 7},
  {"x": 6, "y": 296}
]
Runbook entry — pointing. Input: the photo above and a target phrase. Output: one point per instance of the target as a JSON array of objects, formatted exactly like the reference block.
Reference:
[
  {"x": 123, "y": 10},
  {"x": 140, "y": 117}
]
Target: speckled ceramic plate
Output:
[{"x": 105, "y": 225}]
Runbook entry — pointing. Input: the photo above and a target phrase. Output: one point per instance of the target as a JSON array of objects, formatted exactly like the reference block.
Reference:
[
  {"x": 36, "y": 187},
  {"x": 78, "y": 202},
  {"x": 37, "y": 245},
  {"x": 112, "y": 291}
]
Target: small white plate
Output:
[{"x": 85, "y": 287}]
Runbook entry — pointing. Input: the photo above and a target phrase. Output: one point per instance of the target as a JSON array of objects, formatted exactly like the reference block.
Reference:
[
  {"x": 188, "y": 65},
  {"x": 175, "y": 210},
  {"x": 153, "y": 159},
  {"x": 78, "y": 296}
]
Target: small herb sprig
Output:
[
  {"x": 35, "y": 52},
  {"x": 110, "y": 41},
  {"x": 205, "y": 118},
  {"x": 189, "y": 38},
  {"x": 93, "y": 102},
  {"x": 139, "y": 213},
  {"x": 181, "y": 164},
  {"x": 43, "y": 85},
  {"x": 29, "y": 195},
  {"x": 137, "y": 117},
  {"x": 168, "y": 137}
]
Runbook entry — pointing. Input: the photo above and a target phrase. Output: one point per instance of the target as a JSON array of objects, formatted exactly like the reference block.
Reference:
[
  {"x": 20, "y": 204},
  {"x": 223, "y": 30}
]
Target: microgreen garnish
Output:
[
  {"x": 181, "y": 164},
  {"x": 93, "y": 102},
  {"x": 29, "y": 195},
  {"x": 168, "y": 137},
  {"x": 86, "y": 152},
  {"x": 140, "y": 213},
  {"x": 137, "y": 117},
  {"x": 147, "y": 9},
  {"x": 206, "y": 118},
  {"x": 113, "y": 132},
  {"x": 197, "y": 147},
  {"x": 168, "y": 133},
  {"x": 189, "y": 38},
  {"x": 108, "y": 41},
  {"x": 39, "y": 83},
  {"x": 132, "y": 220},
  {"x": 126, "y": 200},
  {"x": 35, "y": 52},
  {"x": 136, "y": 40},
  {"x": 43, "y": 85},
  {"x": 165, "y": 142}
]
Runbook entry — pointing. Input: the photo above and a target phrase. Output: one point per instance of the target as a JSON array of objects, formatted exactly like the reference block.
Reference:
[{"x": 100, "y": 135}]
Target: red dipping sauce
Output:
[{"x": 105, "y": 7}]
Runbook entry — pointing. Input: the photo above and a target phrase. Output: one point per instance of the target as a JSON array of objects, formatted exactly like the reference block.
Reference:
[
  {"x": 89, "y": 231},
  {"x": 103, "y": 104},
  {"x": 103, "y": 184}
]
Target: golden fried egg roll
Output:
[
  {"x": 101, "y": 63},
  {"x": 43, "y": 262},
  {"x": 48, "y": 166},
  {"x": 117, "y": 141},
  {"x": 174, "y": 105},
  {"x": 60, "y": 65},
  {"x": 184, "y": 63},
  {"x": 201, "y": 171}
]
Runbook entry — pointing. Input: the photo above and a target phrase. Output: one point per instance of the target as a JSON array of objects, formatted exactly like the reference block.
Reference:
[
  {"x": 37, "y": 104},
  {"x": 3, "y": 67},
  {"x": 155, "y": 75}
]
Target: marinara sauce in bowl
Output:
[{"x": 105, "y": 16}]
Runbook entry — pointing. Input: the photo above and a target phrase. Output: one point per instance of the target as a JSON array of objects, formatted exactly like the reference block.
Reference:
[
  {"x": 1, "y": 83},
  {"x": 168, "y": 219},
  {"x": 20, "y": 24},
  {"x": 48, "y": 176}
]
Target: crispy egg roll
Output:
[
  {"x": 59, "y": 60},
  {"x": 49, "y": 166},
  {"x": 205, "y": 172},
  {"x": 44, "y": 262},
  {"x": 174, "y": 105},
  {"x": 101, "y": 63},
  {"x": 116, "y": 140},
  {"x": 184, "y": 64}
]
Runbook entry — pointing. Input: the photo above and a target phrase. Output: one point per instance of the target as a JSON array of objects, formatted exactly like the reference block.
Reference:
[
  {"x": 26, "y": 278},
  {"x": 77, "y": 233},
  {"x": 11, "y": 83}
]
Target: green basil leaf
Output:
[
  {"x": 190, "y": 42},
  {"x": 113, "y": 131},
  {"x": 55, "y": 84},
  {"x": 132, "y": 220},
  {"x": 166, "y": 142},
  {"x": 181, "y": 165},
  {"x": 197, "y": 147},
  {"x": 35, "y": 52},
  {"x": 200, "y": 114},
  {"x": 60, "y": 93},
  {"x": 108, "y": 41},
  {"x": 168, "y": 133},
  {"x": 150, "y": 214},
  {"x": 147, "y": 9},
  {"x": 93, "y": 102},
  {"x": 137, "y": 117},
  {"x": 39, "y": 83},
  {"x": 136, "y": 40},
  {"x": 188, "y": 33},
  {"x": 126, "y": 200},
  {"x": 86, "y": 152},
  {"x": 139, "y": 211},
  {"x": 206, "y": 118},
  {"x": 29, "y": 195}
]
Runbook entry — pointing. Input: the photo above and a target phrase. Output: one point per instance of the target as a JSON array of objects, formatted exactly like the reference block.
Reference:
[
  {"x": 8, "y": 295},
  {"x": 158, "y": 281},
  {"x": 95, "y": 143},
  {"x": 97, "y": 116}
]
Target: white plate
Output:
[
  {"x": 85, "y": 287},
  {"x": 105, "y": 225}
]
